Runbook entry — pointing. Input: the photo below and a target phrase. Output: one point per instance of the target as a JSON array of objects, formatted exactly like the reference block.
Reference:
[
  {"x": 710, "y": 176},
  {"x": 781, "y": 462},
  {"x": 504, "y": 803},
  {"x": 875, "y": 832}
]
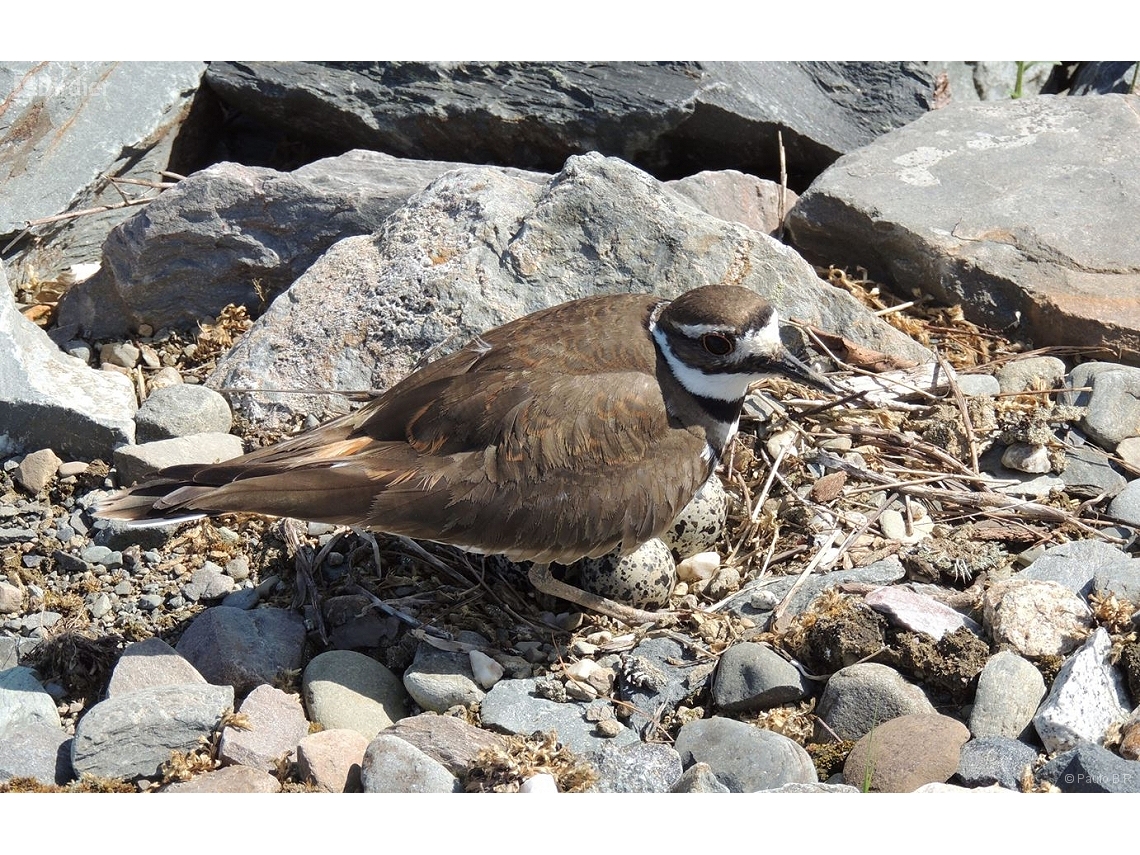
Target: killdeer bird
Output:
[{"x": 572, "y": 432}]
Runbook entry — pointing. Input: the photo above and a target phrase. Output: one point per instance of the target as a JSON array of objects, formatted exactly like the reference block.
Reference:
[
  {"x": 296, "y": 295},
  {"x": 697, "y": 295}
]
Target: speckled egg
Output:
[
  {"x": 644, "y": 579},
  {"x": 699, "y": 525}
]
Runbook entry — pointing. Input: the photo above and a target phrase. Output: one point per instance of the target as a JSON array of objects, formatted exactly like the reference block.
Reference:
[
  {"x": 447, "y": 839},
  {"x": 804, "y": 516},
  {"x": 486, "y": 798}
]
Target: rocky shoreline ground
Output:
[{"x": 934, "y": 591}]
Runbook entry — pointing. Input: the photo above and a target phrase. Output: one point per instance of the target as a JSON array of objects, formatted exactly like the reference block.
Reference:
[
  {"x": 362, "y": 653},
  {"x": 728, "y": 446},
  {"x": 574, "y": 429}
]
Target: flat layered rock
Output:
[{"x": 1017, "y": 210}]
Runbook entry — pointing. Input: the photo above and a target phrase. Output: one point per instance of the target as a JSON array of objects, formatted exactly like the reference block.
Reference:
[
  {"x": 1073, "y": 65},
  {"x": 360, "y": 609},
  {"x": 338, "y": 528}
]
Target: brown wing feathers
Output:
[{"x": 456, "y": 451}]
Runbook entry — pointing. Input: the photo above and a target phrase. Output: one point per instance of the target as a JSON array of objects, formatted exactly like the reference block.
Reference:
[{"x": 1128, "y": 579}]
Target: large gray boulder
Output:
[
  {"x": 51, "y": 400},
  {"x": 1020, "y": 211},
  {"x": 480, "y": 247},
  {"x": 71, "y": 127},
  {"x": 235, "y": 234}
]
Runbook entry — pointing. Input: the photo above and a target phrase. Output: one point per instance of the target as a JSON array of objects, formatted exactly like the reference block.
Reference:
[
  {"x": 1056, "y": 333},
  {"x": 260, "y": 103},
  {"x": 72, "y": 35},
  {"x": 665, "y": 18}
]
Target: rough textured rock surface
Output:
[
  {"x": 378, "y": 304},
  {"x": 662, "y": 117},
  {"x": 1036, "y": 618},
  {"x": 1014, "y": 209},
  {"x": 132, "y": 735},
  {"x": 1087, "y": 697},
  {"x": 251, "y": 231},
  {"x": 241, "y": 648},
  {"x": 49, "y": 399},
  {"x": 78, "y": 120}
]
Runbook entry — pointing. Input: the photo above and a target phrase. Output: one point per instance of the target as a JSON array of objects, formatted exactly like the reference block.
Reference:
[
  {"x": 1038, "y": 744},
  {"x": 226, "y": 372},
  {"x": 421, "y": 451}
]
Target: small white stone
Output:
[
  {"x": 763, "y": 600},
  {"x": 583, "y": 648},
  {"x": 1023, "y": 457},
  {"x": 582, "y": 669},
  {"x": 486, "y": 670},
  {"x": 540, "y": 783},
  {"x": 1086, "y": 699},
  {"x": 698, "y": 567},
  {"x": 784, "y": 439}
]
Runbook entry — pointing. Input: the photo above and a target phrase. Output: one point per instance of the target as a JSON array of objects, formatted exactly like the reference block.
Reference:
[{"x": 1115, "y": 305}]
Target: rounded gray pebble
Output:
[
  {"x": 753, "y": 677},
  {"x": 182, "y": 410},
  {"x": 392, "y": 765},
  {"x": 1009, "y": 691},
  {"x": 743, "y": 757},
  {"x": 860, "y": 697}
]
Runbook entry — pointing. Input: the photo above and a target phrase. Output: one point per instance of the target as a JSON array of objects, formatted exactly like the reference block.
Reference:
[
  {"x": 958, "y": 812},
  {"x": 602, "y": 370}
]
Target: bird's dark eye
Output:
[{"x": 718, "y": 344}]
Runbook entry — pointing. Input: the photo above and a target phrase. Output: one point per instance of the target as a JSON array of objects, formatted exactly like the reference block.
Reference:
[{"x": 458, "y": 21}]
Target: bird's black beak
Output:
[{"x": 794, "y": 368}]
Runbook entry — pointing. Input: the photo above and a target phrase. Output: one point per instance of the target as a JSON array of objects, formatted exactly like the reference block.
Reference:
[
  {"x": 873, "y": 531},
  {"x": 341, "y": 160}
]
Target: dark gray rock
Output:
[
  {"x": 744, "y": 758},
  {"x": 658, "y": 674},
  {"x": 860, "y": 697},
  {"x": 994, "y": 760},
  {"x": 994, "y": 206},
  {"x": 1126, "y": 504},
  {"x": 36, "y": 750},
  {"x": 1112, "y": 404},
  {"x": 50, "y": 399},
  {"x": 1102, "y": 78},
  {"x": 662, "y": 117},
  {"x": 1089, "y": 768},
  {"x": 640, "y": 767},
  {"x": 243, "y": 649},
  {"x": 181, "y": 410},
  {"x": 118, "y": 535},
  {"x": 513, "y": 707},
  {"x": 1089, "y": 472},
  {"x": 377, "y": 304},
  {"x": 131, "y": 735},
  {"x": 138, "y": 462},
  {"x": 437, "y": 680},
  {"x": 1009, "y": 692},
  {"x": 1075, "y": 564},
  {"x": 751, "y": 677},
  {"x": 392, "y": 765}
]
